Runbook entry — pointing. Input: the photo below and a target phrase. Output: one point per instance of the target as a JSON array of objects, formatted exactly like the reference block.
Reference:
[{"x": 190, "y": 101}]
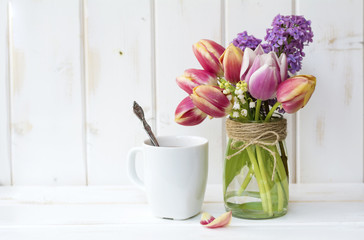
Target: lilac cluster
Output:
[
  {"x": 243, "y": 40},
  {"x": 289, "y": 34}
]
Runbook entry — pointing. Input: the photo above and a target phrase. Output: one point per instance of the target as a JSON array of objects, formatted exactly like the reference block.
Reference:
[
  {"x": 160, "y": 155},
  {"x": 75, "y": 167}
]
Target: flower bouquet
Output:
[{"x": 253, "y": 84}]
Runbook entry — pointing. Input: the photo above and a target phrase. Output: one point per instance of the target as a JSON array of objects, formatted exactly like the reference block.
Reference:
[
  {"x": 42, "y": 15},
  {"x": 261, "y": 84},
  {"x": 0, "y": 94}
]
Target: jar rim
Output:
[{"x": 275, "y": 117}]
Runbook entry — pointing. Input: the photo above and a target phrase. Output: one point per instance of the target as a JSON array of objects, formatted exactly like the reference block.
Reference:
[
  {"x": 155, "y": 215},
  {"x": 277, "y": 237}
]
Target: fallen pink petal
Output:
[
  {"x": 221, "y": 221},
  {"x": 206, "y": 218}
]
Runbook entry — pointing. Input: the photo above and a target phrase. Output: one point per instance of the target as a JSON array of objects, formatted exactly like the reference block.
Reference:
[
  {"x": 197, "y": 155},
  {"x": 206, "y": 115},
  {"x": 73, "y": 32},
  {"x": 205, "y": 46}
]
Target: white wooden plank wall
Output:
[
  {"x": 118, "y": 71},
  {"x": 5, "y": 165},
  {"x": 330, "y": 129},
  {"x": 70, "y": 71},
  {"x": 178, "y": 25},
  {"x": 45, "y": 93}
]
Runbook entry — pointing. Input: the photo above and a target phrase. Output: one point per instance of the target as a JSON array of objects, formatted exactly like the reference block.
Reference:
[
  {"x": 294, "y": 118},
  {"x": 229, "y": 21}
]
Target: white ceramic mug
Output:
[{"x": 175, "y": 175}]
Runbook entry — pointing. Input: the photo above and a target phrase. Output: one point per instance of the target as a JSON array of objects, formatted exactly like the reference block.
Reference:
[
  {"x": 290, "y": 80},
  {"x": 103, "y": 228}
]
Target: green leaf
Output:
[{"x": 234, "y": 165}]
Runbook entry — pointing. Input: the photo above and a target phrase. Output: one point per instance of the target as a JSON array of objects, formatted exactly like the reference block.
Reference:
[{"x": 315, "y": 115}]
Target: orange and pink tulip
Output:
[
  {"x": 231, "y": 61},
  {"x": 208, "y": 53},
  {"x": 211, "y": 100},
  {"x": 188, "y": 114},
  {"x": 295, "y": 92},
  {"x": 192, "y": 78}
]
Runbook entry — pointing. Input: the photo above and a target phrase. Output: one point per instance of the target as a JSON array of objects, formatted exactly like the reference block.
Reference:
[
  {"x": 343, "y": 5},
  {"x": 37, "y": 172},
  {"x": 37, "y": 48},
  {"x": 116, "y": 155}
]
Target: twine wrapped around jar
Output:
[{"x": 263, "y": 134}]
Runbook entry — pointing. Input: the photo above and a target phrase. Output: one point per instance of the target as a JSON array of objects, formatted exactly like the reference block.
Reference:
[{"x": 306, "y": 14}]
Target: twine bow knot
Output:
[{"x": 259, "y": 134}]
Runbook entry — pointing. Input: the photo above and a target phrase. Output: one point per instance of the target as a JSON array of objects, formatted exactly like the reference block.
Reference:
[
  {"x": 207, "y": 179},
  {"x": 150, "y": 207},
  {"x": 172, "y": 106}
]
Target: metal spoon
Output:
[{"x": 138, "y": 110}]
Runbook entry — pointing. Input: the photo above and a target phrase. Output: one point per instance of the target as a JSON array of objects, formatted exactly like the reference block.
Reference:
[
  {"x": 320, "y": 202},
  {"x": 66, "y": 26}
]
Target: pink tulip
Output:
[
  {"x": 208, "y": 53},
  {"x": 210, "y": 100},
  {"x": 192, "y": 78},
  {"x": 259, "y": 50},
  {"x": 265, "y": 74},
  {"x": 187, "y": 114},
  {"x": 231, "y": 61},
  {"x": 248, "y": 59},
  {"x": 295, "y": 92}
]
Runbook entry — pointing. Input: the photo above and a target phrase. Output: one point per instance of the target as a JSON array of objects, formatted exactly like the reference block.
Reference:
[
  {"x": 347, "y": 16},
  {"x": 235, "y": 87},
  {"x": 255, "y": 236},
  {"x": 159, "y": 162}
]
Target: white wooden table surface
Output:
[{"x": 316, "y": 211}]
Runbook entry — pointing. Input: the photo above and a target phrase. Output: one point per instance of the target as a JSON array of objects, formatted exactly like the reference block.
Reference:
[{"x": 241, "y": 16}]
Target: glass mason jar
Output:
[{"x": 255, "y": 179}]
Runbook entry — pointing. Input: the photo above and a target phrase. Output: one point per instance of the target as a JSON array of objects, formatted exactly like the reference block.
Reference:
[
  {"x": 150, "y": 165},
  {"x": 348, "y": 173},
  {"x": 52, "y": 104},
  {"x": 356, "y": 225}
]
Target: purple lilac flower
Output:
[
  {"x": 244, "y": 40},
  {"x": 289, "y": 35},
  {"x": 266, "y": 47}
]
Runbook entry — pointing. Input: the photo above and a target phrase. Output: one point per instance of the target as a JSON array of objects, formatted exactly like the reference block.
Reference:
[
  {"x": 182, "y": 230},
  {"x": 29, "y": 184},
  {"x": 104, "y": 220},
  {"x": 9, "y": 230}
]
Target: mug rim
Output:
[{"x": 147, "y": 142}]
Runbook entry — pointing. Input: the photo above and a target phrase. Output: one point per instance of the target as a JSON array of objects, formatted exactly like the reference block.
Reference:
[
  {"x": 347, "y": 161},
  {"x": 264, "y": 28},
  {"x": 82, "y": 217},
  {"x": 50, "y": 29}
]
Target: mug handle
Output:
[{"x": 131, "y": 167}]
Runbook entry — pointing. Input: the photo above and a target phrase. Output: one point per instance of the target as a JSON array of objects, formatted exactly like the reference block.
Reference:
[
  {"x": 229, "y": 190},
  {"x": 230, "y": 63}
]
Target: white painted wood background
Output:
[{"x": 70, "y": 71}]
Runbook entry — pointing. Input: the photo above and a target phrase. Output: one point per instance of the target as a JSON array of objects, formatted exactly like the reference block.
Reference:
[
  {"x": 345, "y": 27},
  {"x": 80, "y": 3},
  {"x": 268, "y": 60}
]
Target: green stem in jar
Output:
[
  {"x": 247, "y": 180},
  {"x": 284, "y": 156},
  {"x": 265, "y": 180},
  {"x": 281, "y": 171},
  {"x": 258, "y": 176},
  {"x": 280, "y": 195}
]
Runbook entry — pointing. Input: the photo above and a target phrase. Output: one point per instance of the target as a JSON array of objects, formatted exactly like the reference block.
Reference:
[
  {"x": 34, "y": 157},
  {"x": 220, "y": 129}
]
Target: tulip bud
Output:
[
  {"x": 208, "y": 53},
  {"x": 231, "y": 61},
  {"x": 210, "y": 100},
  {"x": 295, "y": 92},
  {"x": 187, "y": 114},
  {"x": 283, "y": 66},
  {"x": 192, "y": 78}
]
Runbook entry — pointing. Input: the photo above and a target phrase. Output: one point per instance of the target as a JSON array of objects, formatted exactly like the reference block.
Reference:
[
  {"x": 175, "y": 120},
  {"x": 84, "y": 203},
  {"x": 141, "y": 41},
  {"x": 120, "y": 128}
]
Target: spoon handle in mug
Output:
[
  {"x": 150, "y": 133},
  {"x": 138, "y": 110}
]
